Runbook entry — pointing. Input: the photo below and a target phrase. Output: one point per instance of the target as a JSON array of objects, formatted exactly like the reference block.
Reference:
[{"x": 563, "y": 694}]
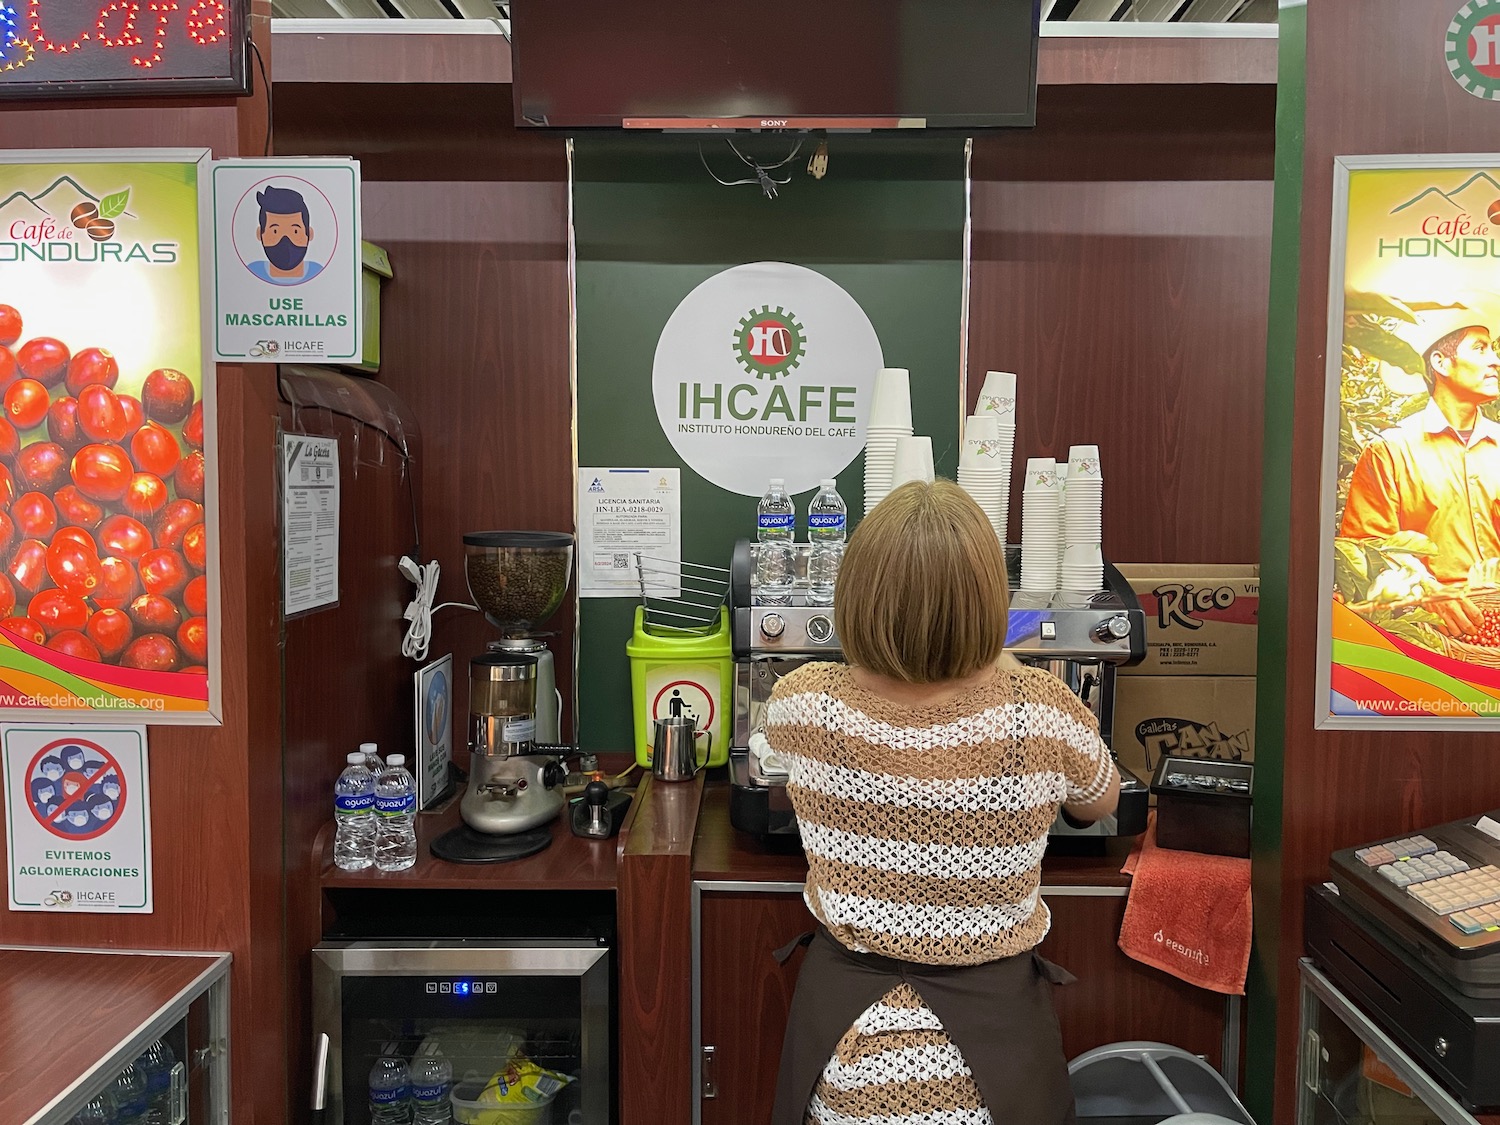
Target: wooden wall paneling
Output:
[
  {"x": 322, "y": 52},
  {"x": 458, "y": 51},
  {"x": 1376, "y": 83},
  {"x": 1147, "y": 133},
  {"x": 747, "y": 996},
  {"x": 1115, "y": 998},
  {"x": 1130, "y": 297},
  {"x": 1127, "y": 59},
  {"x": 346, "y": 680},
  {"x": 216, "y": 832},
  {"x": 429, "y": 132},
  {"x": 490, "y": 385},
  {"x": 475, "y": 323}
]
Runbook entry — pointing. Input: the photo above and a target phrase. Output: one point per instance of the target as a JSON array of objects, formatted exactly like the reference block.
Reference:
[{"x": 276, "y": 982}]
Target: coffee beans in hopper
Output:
[{"x": 518, "y": 585}]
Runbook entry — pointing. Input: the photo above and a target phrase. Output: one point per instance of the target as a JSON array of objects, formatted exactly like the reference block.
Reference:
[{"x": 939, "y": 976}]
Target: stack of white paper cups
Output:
[
  {"x": 984, "y": 468},
  {"x": 998, "y": 397},
  {"x": 1041, "y": 519},
  {"x": 913, "y": 461},
  {"x": 1082, "y": 569},
  {"x": 890, "y": 421}
]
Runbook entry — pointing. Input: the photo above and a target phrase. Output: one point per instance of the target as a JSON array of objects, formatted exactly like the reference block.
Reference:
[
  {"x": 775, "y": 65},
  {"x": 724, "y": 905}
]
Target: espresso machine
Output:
[
  {"x": 516, "y": 770},
  {"x": 1079, "y": 638}
]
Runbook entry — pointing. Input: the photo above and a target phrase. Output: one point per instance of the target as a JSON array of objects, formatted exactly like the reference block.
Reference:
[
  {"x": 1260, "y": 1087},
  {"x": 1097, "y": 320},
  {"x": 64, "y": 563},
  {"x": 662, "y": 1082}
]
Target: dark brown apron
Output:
[{"x": 999, "y": 1015}]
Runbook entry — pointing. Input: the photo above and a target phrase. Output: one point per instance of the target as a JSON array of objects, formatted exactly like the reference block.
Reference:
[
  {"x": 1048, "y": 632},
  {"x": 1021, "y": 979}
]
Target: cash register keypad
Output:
[
  {"x": 1473, "y": 894},
  {"x": 1421, "y": 869},
  {"x": 1408, "y": 847}
]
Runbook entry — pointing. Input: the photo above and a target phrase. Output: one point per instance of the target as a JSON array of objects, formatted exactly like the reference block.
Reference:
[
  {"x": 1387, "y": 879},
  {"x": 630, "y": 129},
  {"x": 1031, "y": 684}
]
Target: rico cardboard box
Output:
[
  {"x": 1187, "y": 716},
  {"x": 1200, "y": 620}
]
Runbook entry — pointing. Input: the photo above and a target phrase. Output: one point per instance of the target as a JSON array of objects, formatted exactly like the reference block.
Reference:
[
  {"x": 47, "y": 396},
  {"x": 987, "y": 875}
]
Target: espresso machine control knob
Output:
[
  {"x": 819, "y": 629},
  {"x": 1113, "y": 629},
  {"x": 772, "y": 625}
]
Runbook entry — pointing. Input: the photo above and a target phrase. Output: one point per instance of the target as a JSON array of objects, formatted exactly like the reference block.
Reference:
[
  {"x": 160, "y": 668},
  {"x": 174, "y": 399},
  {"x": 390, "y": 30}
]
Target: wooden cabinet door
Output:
[
  {"x": 1117, "y": 998},
  {"x": 746, "y": 997}
]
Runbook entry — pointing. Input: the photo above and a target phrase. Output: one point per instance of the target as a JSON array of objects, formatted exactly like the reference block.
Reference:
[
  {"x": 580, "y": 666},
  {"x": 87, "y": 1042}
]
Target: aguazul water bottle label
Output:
[
  {"x": 776, "y": 520},
  {"x": 394, "y": 806},
  {"x": 353, "y": 803},
  {"x": 825, "y": 519},
  {"x": 429, "y": 1093},
  {"x": 387, "y": 1097}
]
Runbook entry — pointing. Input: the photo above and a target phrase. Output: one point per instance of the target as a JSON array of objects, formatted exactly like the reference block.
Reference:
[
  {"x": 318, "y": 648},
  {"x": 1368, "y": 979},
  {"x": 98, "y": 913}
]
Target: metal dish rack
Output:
[{"x": 697, "y": 606}]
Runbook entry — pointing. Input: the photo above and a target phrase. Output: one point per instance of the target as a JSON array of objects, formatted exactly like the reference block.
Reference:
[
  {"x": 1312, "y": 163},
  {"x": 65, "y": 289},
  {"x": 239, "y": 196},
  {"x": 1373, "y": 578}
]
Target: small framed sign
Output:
[
  {"x": 102, "y": 48},
  {"x": 434, "y": 733}
]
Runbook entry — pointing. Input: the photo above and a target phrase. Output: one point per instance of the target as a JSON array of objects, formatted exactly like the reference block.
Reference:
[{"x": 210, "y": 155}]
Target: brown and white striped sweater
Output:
[
  {"x": 924, "y": 827},
  {"x": 924, "y": 830}
]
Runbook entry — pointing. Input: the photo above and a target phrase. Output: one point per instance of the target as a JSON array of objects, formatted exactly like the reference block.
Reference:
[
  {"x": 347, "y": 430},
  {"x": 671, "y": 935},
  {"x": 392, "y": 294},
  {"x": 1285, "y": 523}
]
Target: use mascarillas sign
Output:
[{"x": 93, "y": 48}]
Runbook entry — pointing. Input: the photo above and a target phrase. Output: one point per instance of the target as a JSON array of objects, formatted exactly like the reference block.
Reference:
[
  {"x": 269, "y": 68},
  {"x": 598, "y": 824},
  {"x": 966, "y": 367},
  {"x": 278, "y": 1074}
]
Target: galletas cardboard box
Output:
[
  {"x": 1192, "y": 716},
  {"x": 1200, "y": 620}
]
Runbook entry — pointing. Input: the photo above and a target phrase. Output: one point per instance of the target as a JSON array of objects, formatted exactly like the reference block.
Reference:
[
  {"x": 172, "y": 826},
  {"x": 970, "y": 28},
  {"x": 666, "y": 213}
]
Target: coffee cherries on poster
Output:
[{"x": 103, "y": 533}]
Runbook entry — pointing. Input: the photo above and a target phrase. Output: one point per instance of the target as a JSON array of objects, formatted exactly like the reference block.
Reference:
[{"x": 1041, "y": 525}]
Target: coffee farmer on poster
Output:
[{"x": 1437, "y": 472}]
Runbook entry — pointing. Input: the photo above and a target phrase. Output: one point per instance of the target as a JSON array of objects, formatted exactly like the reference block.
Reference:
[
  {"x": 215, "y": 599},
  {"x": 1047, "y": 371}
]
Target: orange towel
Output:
[{"x": 1188, "y": 914}]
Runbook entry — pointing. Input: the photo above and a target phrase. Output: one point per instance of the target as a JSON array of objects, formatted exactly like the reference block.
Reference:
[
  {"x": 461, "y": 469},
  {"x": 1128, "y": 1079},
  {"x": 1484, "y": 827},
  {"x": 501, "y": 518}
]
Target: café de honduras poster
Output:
[
  {"x": 108, "y": 545},
  {"x": 1409, "y": 625}
]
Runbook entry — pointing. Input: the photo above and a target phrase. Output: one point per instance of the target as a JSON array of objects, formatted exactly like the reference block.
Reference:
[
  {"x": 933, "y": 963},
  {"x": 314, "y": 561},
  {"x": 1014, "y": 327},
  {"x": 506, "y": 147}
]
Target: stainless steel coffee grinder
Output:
[{"x": 516, "y": 771}]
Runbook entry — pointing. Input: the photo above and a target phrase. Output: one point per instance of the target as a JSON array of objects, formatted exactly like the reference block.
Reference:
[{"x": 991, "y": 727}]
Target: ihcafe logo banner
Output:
[
  {"x": 1472, "y": 48},
  {"x": 763, "y": 370},
  {"x": 66, "y": 221}
]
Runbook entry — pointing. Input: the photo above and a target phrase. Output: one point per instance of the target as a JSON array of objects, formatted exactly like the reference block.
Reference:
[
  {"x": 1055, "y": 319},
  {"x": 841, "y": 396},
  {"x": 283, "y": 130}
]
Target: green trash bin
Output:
[{"x": 698, "y": 669}]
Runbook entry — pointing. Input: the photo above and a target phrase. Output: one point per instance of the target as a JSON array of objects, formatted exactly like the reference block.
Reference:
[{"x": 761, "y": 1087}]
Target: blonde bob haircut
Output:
[{"x": 922, "y": 594}]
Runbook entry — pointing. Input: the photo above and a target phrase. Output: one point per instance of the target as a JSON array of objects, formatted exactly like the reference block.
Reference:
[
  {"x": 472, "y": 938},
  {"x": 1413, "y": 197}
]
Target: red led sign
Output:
[{"x": 89, "y": 48}]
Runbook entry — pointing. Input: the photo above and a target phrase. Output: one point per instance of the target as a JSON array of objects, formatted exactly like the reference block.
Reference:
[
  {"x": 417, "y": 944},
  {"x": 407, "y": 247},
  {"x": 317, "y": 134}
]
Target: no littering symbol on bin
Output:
[
  {"x": 76, "y": 789},
  {"x": 696, "y": 702}
]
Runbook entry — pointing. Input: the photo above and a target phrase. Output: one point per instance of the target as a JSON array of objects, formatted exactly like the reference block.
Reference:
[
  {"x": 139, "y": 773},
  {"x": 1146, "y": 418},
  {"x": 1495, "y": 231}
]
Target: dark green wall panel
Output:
[{"x": 886, "y": 224}]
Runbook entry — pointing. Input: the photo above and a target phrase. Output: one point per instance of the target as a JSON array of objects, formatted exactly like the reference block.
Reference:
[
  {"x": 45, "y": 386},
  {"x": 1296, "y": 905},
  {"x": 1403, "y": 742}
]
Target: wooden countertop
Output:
[
  {"x": 571, "y": 863},
  {"x": 723, "y": 854},
  {"x": 61, "y": 1013}
]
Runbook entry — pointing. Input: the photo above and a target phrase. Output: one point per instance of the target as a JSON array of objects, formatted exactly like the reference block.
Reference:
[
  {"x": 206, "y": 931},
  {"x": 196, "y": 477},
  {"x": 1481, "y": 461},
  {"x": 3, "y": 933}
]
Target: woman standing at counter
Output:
[{"x": 925, "y": 777}]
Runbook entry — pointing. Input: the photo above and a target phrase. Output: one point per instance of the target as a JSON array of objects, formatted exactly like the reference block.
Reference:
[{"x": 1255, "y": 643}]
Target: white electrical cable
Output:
[{"x": 421, "y": 609}]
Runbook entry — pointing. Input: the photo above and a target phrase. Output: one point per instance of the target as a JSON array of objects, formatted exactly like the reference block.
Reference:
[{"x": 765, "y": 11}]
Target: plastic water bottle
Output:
[
  {"x": 129, "y": 1092},
  {"x": 776, "y": 528},
  {"x": 431, "y": 1082},
  {"x": 156, "y": 1064},
  {"x": 395, "y": 816},
  {"x": 390, "y": 1092},
  {"x": 354, "y": 816},
  {"x": 373, "y": 761},
  {"x": 101, "y": 1111},
  {"x": 827, "y": 522}
]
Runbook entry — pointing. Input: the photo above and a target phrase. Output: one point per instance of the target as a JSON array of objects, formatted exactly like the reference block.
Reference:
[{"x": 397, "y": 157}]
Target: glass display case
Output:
[
  {"x": 1349, "y": 1072},
  {"x": 116, "y": 1038}
]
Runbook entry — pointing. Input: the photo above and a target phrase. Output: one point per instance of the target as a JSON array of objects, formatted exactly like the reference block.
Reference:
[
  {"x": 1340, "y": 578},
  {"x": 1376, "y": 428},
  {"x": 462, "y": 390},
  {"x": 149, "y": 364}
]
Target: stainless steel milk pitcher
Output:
[{"x": 674, "y": 746}]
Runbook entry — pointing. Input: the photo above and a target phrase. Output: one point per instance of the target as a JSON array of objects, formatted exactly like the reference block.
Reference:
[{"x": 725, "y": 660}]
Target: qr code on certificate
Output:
[{"x": 622, "y": 560}]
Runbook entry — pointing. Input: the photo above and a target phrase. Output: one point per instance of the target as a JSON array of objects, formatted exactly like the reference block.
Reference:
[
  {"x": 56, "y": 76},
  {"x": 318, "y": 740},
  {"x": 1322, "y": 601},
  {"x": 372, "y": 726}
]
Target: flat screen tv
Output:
[{"x": 769, "y": 64}]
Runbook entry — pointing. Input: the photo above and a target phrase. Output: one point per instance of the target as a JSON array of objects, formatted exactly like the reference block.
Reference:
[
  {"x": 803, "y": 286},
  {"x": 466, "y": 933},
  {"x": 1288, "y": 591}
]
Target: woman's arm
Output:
[{"x": 1086, "y": 812}]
